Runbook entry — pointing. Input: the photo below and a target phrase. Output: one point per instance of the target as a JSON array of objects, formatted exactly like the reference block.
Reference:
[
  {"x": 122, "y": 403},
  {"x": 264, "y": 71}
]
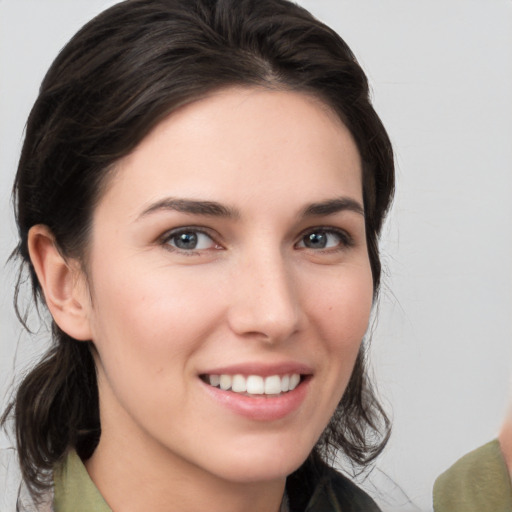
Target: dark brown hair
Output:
[{"x": 112, "y": 83}]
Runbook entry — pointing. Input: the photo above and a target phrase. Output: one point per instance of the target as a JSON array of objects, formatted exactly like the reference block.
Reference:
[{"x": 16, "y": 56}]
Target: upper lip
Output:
[{"x": 265, "y": 370}]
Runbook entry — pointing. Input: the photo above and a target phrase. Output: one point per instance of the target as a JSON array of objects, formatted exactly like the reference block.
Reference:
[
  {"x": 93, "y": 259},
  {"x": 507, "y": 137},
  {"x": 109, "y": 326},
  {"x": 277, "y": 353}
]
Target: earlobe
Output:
[{"x": 63, "y": 284}]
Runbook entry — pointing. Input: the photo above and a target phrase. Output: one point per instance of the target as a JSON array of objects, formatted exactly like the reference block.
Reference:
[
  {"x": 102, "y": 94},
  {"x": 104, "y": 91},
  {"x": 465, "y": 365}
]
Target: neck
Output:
[{"x": 133, "y": 478}]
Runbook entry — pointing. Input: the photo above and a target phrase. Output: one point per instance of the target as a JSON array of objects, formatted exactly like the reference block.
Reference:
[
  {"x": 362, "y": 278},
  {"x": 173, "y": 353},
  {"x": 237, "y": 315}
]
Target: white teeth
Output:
[
  {"x": 294, "y": 381},
  {"x": 273, "y": 385},
  {"x": 225, "y": 382},
  {"x": 239, "y": 385},
  {"x": 215, "y": 380},
  {"x": 255, "y": 384}
]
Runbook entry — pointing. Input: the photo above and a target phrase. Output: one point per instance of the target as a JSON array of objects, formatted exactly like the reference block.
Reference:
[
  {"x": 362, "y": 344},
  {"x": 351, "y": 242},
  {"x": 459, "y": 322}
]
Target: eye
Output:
[
  {"x": 325, "y": 239},
  {"x": 189, "y": 240}
]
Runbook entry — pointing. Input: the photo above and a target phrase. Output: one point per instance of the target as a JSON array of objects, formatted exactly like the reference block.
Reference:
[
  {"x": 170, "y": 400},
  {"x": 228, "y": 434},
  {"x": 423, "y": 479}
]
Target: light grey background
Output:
[{"x": 441, "y": 73}]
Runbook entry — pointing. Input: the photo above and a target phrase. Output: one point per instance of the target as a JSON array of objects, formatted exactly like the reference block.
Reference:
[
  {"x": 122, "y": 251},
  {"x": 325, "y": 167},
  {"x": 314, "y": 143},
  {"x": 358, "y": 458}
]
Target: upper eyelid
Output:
[
  {"x": 169, "y": 234},
  {"x": 326, "y": 229},
  {"x": 184, "y": 229}
]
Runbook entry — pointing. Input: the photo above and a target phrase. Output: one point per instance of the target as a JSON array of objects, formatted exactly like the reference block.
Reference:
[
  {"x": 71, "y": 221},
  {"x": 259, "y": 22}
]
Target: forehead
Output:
[{"x": 241, "y": 142}]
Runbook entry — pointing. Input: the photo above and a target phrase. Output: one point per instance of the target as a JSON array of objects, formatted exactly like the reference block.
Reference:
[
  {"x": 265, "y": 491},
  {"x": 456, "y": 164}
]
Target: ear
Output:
[{"x": 63, "y": 283}]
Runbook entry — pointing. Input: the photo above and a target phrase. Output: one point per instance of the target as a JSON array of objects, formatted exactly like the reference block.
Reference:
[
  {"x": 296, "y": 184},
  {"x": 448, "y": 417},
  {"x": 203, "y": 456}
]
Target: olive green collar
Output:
[{"x": 74, "y": 489}]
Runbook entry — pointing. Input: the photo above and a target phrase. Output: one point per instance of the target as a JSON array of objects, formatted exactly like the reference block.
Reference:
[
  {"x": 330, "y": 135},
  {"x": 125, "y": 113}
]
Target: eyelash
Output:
[
  {"x": 345, "y": 240},
  {"x": 175, "y": 233}
]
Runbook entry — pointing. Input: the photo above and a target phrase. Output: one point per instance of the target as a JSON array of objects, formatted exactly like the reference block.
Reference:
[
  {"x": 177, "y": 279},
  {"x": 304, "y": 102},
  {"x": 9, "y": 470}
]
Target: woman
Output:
[{"x": 199, "y": 198}]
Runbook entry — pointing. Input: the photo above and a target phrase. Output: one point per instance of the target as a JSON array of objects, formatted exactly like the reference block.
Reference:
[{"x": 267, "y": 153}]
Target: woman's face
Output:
[{"x": 229, "y": 251}]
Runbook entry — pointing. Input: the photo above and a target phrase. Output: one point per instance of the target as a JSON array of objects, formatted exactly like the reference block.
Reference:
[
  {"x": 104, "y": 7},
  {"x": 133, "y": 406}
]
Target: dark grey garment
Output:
[{"x": 316, "y": 487}]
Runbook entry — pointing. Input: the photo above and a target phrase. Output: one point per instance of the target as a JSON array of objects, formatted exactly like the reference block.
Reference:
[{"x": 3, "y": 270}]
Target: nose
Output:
[{"x": 265, "y": 303}]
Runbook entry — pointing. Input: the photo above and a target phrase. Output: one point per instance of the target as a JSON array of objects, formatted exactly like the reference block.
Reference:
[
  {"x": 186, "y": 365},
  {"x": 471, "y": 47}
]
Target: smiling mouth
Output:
[{"x": 254, "y": 385}]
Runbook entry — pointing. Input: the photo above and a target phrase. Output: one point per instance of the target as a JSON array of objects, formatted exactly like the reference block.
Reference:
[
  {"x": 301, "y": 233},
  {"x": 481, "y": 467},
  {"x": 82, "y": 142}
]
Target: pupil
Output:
[
  {"x": 186, "y": 240},
  {"x": 316, "y": 240}
]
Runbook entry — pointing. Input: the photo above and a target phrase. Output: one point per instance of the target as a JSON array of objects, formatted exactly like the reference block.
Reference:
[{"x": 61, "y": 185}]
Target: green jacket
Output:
[
  {"x": 324, "y": 489},
  {"x": 478, "y": 482}
]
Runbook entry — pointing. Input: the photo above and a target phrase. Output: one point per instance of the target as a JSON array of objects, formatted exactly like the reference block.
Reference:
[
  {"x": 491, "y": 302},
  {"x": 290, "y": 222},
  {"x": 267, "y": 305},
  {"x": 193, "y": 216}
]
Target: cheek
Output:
[
  {"x": 151, "y": 320},
  {"x": 341, "y": 305},
  {"x": 341, "y": 312},
  {"x": 146, "y": 331}
]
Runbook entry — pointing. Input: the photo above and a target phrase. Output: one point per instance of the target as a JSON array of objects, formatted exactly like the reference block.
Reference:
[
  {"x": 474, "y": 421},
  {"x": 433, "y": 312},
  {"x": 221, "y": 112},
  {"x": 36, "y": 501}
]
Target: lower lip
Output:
[{"x": 261, "y": 408}]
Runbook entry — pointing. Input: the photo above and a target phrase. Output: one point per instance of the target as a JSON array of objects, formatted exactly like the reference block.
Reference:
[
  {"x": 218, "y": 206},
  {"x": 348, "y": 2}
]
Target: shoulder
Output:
[{"x": 478, "y": 481}]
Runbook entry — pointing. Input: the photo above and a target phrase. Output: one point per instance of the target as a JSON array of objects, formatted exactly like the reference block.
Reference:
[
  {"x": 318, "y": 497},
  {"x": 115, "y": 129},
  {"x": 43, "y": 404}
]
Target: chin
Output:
[{"x": 252, "y": 468}]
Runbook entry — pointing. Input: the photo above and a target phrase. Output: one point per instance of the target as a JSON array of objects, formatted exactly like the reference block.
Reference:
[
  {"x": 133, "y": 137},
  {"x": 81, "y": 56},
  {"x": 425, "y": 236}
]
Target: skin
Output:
[
  {"x": 252, "y": 293},
  {"x": 505, "y": 439}
]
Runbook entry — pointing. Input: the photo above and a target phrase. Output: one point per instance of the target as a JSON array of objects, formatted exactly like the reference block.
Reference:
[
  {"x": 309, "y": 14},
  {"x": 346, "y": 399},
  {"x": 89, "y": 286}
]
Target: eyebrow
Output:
[
  {"x": 209, "y": 208},
  {"x": 332, "y": 206},
  {"x": 215, "y": 209}
]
